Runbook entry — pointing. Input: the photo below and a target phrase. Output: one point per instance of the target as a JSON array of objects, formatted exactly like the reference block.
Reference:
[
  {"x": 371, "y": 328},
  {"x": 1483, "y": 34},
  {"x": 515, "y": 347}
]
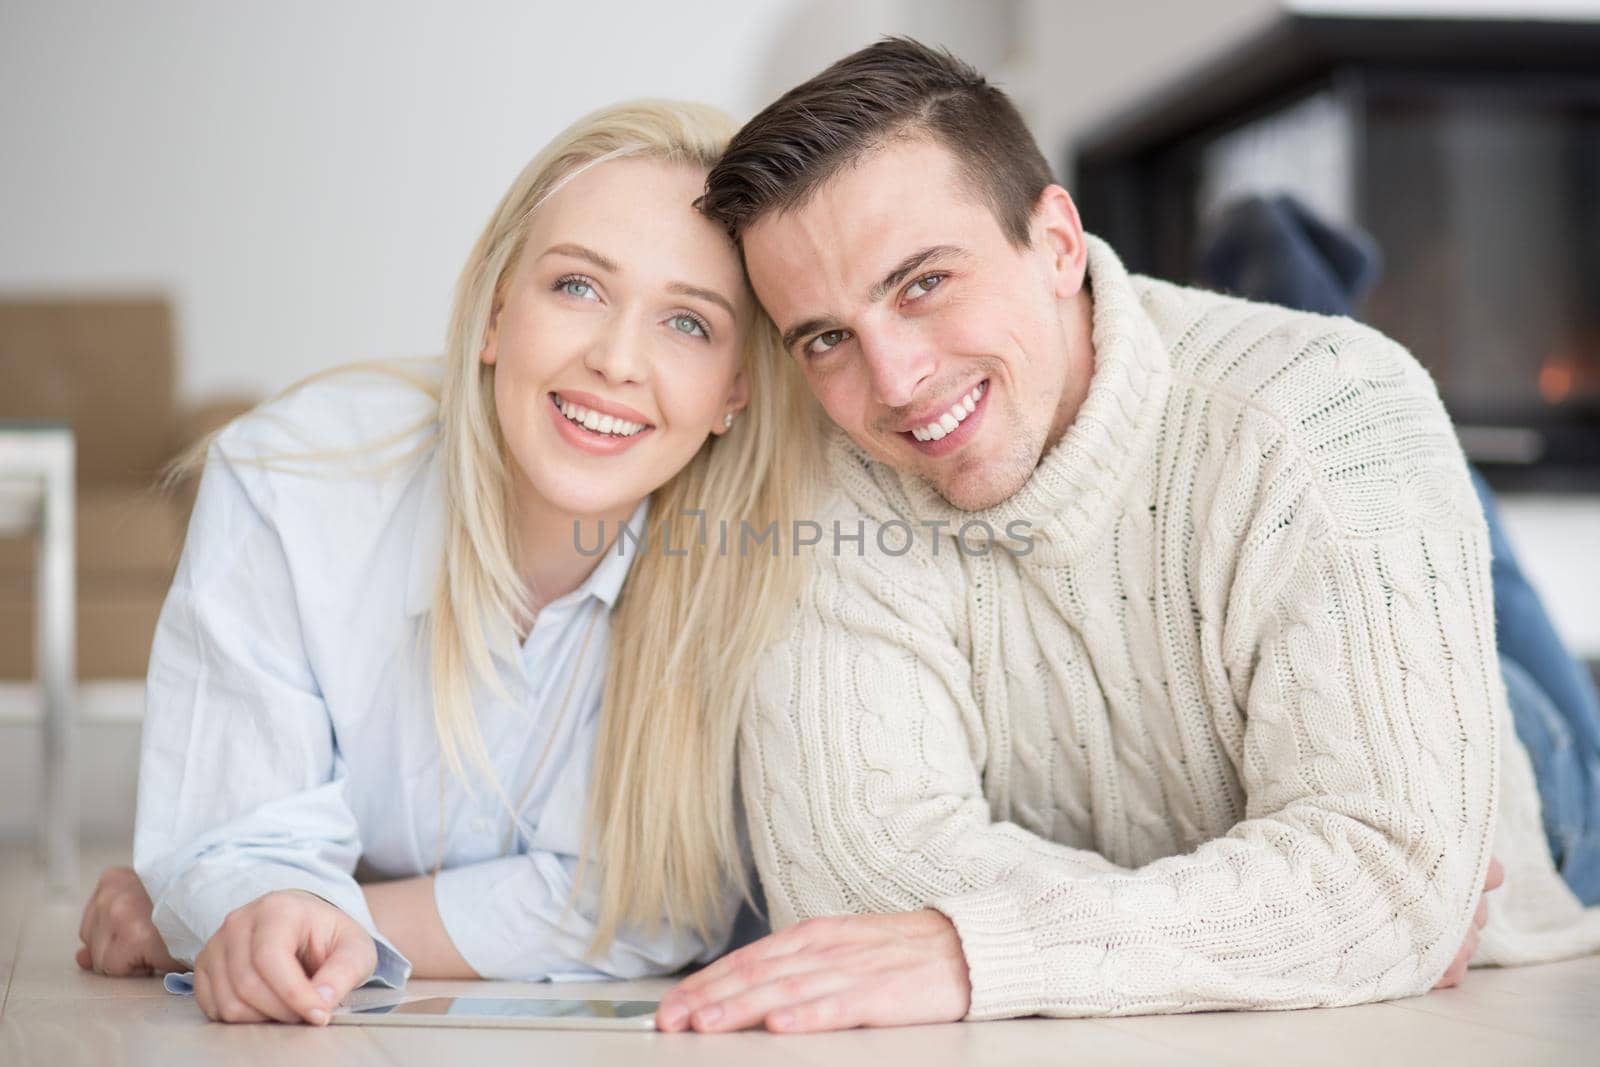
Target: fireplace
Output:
[{"x": 1469, "y": 149}]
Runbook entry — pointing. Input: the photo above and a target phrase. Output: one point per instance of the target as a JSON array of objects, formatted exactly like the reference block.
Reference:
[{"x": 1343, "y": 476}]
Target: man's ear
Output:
[{"x": 1059, "y": 234}]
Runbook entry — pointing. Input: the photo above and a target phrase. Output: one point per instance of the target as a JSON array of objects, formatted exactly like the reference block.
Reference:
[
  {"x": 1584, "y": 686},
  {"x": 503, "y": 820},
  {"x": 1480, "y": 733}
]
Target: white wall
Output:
[{"x": 304, "y": 177}]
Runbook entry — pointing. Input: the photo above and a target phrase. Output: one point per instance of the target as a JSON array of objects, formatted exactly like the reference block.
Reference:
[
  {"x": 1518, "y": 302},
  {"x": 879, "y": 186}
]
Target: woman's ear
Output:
[
  {"x": 738, "y": 397},
  {"x": 491, "y": 339}
]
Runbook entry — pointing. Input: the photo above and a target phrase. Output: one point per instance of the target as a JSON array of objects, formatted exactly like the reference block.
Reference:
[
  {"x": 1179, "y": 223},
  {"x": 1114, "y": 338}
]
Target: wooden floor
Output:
[{"x": 51, "y": 1013}]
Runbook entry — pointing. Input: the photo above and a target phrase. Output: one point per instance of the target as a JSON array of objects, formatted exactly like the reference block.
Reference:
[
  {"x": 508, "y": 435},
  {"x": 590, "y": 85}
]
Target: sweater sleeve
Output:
[{"x": 1368, "y": 763}]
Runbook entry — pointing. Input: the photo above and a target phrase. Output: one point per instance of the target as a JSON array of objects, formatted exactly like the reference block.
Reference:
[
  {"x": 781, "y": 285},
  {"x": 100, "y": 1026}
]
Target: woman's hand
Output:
[
  {"x": 1469, "y": 948},
  {"x": 288, "y": 955},
  {"x": 118, "y": 937}
]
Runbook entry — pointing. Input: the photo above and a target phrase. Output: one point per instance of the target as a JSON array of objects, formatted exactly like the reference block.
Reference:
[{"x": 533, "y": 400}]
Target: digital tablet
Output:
[{"x": 506, "y": 1011}]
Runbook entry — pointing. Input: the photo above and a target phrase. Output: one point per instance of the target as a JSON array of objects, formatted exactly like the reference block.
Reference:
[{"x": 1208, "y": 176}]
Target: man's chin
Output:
[
  {"x": 972, "y": 490},
  {"x": 980, "y": 484}
]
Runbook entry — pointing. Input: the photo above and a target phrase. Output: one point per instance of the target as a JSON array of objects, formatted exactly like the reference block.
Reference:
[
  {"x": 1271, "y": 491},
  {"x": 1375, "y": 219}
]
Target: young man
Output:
[{"x": 1181, "y": 695}]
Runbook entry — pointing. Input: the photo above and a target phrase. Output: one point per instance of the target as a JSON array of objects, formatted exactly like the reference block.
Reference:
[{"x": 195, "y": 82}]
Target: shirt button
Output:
[{"x": 481, "y": 825}]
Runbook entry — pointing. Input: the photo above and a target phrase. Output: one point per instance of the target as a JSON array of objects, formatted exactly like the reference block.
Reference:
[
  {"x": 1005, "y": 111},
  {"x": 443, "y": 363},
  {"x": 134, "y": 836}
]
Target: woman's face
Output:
[{"x": 618, "y": 340}]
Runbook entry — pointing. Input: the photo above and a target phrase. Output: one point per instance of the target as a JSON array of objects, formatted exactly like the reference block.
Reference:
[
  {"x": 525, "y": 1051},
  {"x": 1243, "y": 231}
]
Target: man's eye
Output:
[
  {"x": 826, "y": 342},
  {"x": 924, "y": 285}
]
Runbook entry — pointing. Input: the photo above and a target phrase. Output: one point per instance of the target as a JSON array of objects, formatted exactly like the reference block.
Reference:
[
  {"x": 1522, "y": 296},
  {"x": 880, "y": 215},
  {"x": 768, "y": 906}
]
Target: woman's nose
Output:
[{"x": 618, "y": 352}]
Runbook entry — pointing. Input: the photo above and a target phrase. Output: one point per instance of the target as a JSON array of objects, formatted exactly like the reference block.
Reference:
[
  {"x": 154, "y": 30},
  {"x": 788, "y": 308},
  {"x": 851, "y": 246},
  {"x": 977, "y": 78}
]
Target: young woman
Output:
[{"x": 392, "y": 567}]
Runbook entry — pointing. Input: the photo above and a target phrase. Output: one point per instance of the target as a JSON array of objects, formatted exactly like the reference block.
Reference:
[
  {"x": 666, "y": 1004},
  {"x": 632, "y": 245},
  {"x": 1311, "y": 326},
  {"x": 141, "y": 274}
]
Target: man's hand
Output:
[
  {"x": 288, "y": 955},
  {"x": 1458, "y": 966},
  {"x": 830, "y": 974},
  {"x": 118, "y": 937}
]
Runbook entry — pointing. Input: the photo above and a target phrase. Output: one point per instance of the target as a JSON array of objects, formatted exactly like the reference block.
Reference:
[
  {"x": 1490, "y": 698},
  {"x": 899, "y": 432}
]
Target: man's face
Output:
[{"x": 937, "y": 345}]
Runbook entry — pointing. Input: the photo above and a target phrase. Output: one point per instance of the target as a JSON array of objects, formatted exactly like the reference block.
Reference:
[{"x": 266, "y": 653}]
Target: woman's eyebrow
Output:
[
  {"x": 710, "y": 295},
  {"x": 679, "y": 288},
  {"x": 580, "y": 252}
]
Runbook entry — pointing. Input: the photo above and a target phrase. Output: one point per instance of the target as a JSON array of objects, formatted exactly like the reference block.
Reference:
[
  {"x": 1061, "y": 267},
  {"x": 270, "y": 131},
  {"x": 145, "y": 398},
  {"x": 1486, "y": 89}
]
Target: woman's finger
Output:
[
  {"x": 277, "y": 955},
  {"x": 251, "y": 987},
  {"x": 230, "y": 1008},
  {"x": 202, "y": 991},
  {"x": 349, "y": 964},
  {"x": 86, "y": 924},
  {"x": 101, "y": 951}
]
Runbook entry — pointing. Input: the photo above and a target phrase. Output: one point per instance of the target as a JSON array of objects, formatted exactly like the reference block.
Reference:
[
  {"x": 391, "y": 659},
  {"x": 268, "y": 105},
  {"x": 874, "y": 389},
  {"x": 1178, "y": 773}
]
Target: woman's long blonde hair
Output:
[
  {"x": 661, "y": 831},
  {"x": 686, "y": 631}
]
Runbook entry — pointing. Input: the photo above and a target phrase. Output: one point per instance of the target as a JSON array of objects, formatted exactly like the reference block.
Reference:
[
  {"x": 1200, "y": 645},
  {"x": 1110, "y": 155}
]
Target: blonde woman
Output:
[{"x": 405, "y": 629}]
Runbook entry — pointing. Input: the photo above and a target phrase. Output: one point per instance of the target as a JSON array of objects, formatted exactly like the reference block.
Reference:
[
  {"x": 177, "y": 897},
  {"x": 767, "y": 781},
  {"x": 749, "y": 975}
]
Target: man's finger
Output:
[
  {"x": 1481, "y": 916},
  {"x": 750, "y": 1007},
  {"x": 1496, "y": 876},
  {"x": 834, "y": 1012},
  {"x": 752, "y": 973},
  {"x": 83, "y": 959},
  {"x": 683, "y": 998},
  {"x": 278, "y": 962}
]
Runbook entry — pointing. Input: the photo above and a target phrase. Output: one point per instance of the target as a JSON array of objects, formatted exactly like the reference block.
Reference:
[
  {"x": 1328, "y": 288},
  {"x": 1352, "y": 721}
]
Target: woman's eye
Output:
[
  {"x": 578, "y": 288},
  {"x": 826, "y": 342},
  {"x": 690, "y": 325},
  {"x": 924, "y": 285}
]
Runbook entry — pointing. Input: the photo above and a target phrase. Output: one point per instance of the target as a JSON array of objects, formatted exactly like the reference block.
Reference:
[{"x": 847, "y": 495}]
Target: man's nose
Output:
[{"x": 898, "y": 362}]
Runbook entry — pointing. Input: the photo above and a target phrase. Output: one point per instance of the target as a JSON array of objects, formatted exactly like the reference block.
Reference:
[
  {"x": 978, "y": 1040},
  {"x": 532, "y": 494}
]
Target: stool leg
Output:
[{"x": 56, "y": 648}]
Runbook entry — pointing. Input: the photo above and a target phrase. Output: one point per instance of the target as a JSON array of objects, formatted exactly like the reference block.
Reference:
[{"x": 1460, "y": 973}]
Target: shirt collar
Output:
[
  {"x": 427, "y": 549},
  {"x": 605, "y": 581}
]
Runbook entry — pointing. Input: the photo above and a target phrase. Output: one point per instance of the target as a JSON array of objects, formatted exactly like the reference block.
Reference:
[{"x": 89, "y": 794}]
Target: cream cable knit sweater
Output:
[{"x": 1228, "y": 736}]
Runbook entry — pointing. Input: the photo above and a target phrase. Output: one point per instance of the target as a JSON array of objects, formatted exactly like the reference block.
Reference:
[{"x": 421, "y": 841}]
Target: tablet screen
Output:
[{"x": 515, "y": 1008}]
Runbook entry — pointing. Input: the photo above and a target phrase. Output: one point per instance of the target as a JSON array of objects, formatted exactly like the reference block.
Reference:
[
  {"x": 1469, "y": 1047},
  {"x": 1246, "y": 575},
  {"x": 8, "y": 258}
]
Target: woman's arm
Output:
[
  {"x": 406, "y": 914},
  {"x": 242, "y": 791}
]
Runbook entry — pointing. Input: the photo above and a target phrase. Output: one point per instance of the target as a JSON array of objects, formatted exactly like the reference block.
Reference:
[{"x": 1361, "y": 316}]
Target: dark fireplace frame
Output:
[{"x": 1136, "y": 176}]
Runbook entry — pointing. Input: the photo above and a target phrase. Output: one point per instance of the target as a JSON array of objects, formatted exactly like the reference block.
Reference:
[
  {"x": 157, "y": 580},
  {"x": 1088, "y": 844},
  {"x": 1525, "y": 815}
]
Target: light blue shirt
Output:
[{"x": 289, "y": 726}]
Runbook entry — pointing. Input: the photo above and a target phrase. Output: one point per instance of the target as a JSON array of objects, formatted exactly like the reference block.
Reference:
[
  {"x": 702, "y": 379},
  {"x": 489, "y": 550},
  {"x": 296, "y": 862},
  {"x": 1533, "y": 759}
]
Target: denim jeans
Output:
[{"x": 1556, "y": 711}]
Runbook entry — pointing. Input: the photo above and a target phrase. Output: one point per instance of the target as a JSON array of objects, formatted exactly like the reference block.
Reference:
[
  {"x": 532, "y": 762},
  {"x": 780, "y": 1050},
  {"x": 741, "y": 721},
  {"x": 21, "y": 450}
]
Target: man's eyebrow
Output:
[
  {"x": 793, "y": 334},
  {"x": 909, "y": 264},
  {"x": 580, "y": 252},
  {"x": 711, "y": 295},
  {"x": 901, "y": 272}
]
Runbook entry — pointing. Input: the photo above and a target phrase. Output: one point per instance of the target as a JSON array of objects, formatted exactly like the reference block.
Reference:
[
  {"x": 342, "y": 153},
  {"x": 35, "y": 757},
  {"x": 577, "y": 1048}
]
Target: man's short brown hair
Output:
[{"x": 895, "y": 88}]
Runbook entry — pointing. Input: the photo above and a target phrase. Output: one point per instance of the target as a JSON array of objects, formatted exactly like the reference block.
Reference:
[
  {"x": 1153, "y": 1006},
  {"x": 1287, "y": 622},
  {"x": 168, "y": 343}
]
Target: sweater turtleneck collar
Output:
[{"x": 1077, "y": 489}]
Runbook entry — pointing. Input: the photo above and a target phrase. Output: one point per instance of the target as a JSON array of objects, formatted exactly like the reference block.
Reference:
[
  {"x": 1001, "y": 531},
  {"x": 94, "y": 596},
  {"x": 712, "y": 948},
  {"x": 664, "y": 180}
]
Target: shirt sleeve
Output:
[
  {"x": 241, "y": 785},
  {"x": 516, "y": 917},
  {"x": 1368, "y": 764}
]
